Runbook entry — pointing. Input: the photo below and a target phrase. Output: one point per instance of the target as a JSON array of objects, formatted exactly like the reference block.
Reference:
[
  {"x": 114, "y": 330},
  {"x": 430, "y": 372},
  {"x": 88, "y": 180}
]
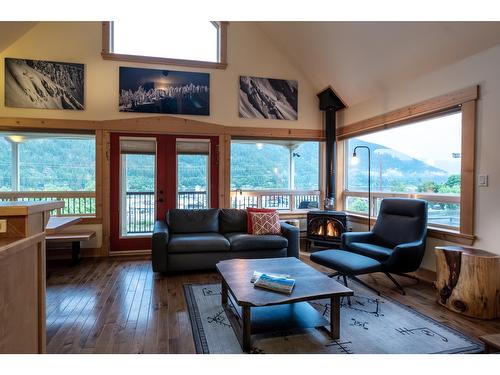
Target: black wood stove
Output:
[{"x": 325, "y": 228}]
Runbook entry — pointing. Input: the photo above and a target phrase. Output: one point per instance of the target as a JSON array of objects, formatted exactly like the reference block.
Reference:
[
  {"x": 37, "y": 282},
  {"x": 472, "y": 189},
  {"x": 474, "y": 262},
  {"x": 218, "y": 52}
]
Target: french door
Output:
[{"x": 151, "y": 174}]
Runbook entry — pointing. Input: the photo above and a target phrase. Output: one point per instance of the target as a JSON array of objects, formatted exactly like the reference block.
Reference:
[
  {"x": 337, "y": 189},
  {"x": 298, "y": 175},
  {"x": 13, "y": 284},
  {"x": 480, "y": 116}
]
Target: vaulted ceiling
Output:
[
  {"x": 11, "y": 31},
  {"x": 361, "y": 59}
]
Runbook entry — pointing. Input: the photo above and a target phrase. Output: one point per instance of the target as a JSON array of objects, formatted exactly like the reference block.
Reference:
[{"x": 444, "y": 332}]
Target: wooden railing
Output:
[
  {"x": 81, "y": 203},
  {"x": 280, "y": 199},
  {"x": 444, "y": 209}
]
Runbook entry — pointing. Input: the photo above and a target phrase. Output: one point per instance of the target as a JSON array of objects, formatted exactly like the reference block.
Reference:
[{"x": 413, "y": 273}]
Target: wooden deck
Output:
[{"x": 120, "y": 306}]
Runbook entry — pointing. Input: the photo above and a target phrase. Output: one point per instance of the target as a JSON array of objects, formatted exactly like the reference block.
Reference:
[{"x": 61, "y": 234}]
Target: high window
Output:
[
  {"x": 421, "y": 159},
  {"x": 41, "y": 166},
  {"x": 275, "y": 174},
  {"x": 178, "y": 42}
]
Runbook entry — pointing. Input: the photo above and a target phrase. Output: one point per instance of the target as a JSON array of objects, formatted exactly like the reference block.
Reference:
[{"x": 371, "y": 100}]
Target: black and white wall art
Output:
[
  {"x": 164, "y": 91},
  {"x": 268, "y": 98},
  {"x": 44, "y": 84}
]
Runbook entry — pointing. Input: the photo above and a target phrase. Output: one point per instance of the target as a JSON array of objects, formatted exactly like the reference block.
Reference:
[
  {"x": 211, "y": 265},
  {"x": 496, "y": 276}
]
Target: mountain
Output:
[{"x": 391, "y": 170}]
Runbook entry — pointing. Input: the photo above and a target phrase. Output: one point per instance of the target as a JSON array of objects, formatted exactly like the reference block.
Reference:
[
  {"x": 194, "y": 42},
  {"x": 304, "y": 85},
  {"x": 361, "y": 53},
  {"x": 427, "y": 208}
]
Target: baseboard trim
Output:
[{"x": 129, "y": 252}]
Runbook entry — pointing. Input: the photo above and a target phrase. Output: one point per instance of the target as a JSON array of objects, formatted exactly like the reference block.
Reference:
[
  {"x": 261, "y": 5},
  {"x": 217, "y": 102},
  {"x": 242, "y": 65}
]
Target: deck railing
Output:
[
  {"x": 280, "y": 199},
  {"x": 444, "y": 209},
  {"x": 81, "y": 203},
  {"x": 140, "y": 209}
]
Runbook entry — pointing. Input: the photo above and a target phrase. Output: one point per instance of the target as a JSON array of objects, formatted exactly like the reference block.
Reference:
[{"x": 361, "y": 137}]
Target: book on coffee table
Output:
[
  {"x": 257, "y": 274},
  {"x": 276, "y": 284}
]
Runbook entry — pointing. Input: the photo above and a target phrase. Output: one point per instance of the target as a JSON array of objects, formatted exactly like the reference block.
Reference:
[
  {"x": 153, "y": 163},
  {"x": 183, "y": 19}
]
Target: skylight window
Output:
[{"x": 176, "y": 42}]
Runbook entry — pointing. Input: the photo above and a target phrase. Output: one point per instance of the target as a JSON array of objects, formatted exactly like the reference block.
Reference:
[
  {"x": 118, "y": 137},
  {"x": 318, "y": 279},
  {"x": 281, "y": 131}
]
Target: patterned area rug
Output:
[{"x": 370, "y": 325}]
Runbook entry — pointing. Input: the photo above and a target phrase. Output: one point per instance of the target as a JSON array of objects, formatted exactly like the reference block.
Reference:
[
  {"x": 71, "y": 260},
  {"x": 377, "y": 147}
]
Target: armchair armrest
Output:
[
  {"x": 349, "y": 237},
  {"x": 406, "y": 257},
  {"x": 159, "y": 246},
  {"x": 292, "y": 234}
]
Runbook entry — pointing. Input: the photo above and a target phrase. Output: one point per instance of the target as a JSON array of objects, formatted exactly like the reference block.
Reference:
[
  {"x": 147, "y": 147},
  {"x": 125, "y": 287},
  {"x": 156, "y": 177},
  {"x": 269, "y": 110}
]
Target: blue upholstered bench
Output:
[{"x": 347, "y": 264}]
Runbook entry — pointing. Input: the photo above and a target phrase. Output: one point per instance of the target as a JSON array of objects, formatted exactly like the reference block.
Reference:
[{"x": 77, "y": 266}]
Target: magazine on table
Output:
[
  {"x": 277, "y": 284},
  {"x": 257, "y": 274}
]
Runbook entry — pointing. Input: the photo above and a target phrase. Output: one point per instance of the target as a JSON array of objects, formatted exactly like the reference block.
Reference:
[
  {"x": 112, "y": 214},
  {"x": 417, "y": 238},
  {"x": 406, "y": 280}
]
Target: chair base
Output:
[{"x": 355, "y": 278}]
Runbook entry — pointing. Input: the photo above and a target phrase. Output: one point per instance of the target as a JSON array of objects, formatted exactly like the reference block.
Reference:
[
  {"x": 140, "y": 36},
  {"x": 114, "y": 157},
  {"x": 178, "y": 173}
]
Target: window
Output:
[
  {"x": 275, "y": 174},
  {"x": 421, "y": 160},
  {"x": 177, "y": 42},
  {"x": 40, "y": 166}
]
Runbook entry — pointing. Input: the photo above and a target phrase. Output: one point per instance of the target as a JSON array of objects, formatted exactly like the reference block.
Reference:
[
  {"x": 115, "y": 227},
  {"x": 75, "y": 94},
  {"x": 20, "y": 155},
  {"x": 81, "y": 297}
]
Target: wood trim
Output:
[
  {"x": 398, "y": 116},
  {"x": 224, "y": 159},
  {"x": 106, "y": 186},
  {"x": 164, "y": 124},
  {"x": 162, "y": 61},
  {"x": 468, "y": 167},
  {"x": 108, "y": 54},
  {"x": 340, "y": 174},
  {"x": 98, "y": 173},
  {"x": 106, "y": 37}
]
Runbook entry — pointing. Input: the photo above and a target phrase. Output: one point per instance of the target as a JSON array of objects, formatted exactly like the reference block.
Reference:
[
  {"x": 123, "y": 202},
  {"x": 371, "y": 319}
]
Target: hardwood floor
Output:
[{"x": 120, "y": 306}]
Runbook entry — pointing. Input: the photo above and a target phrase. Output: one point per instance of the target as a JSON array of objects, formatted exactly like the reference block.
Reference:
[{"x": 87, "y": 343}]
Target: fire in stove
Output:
[{"x": 325, "y": 226}]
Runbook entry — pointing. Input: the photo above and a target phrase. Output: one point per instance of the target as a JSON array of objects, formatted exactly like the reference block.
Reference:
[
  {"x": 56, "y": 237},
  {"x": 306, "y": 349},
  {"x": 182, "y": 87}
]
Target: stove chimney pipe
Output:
[{"x": 330, "y": 103}]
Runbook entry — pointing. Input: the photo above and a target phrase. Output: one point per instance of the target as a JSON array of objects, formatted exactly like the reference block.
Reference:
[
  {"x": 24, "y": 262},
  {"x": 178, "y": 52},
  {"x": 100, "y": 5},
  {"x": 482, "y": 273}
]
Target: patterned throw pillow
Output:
[
  {"x": 251, "y": 210},
  {"x": 266, "y": 223}
]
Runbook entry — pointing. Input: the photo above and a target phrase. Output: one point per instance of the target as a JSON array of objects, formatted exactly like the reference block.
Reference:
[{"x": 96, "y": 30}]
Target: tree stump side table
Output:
[{"x": 468, "y": 281}]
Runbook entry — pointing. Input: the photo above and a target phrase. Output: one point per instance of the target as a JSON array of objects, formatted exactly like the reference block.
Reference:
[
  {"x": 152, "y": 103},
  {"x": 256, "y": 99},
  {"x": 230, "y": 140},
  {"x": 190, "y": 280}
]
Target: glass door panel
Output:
[
  {"x": 193, "y": 174},
  {"x": 137, "y": 186}
]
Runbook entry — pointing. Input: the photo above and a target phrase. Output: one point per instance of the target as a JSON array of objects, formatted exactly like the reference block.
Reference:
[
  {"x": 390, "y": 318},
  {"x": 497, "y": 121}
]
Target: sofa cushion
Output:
[
  {"x": 232, "y": 220},
  {"x": 379, "y": 253},
  {"x": 197, "y": 243},
  {"x": 247, "y": 242},
  {"x": 193, "y": 221}
]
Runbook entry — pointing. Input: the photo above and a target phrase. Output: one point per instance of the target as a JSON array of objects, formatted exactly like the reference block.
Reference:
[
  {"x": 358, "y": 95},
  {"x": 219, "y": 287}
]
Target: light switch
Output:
[
  {"x": 3, "y": 226},
  {"x": 482, "y": 180}
]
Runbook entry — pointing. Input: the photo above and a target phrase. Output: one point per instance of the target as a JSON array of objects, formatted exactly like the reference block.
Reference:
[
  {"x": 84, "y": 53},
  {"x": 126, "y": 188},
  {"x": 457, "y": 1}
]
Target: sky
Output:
[
  {"x": 431, "y": 141},
  {"x": 173, "y": 38}
]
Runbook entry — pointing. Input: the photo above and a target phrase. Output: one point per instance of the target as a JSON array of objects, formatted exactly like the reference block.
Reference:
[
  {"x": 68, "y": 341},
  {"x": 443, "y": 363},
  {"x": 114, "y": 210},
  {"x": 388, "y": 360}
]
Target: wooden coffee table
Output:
[{"x": 254, "y": 310}]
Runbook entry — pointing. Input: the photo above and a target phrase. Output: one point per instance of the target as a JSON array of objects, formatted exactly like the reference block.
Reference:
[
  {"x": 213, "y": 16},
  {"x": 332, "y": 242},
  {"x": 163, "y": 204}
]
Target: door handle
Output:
[{"x": 160, "y": 200}]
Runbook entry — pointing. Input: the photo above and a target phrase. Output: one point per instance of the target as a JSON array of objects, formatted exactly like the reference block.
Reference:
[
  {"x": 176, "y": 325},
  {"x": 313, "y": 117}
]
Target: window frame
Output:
[
  {"x": 107, "y": 52},
  {"x": 463, "y": 101}
]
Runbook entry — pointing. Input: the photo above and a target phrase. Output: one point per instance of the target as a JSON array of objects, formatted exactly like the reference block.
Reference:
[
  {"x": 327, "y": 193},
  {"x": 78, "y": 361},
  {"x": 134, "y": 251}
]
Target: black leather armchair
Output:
[
  {"x": 397, "y": 239},
  {"x": 396, "y": 244}
]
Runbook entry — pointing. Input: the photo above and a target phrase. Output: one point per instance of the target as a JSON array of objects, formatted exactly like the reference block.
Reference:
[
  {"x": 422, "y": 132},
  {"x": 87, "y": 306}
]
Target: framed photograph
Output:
[
  {"x": 164, "y": 91},
  {"x": 44, "y": 84},
  {"x": 268, "y": 98}
]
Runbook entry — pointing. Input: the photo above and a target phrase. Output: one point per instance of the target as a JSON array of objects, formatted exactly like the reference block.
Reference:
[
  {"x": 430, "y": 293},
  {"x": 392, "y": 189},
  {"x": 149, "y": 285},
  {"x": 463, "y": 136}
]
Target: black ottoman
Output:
[{"x": 347, "y": 264}]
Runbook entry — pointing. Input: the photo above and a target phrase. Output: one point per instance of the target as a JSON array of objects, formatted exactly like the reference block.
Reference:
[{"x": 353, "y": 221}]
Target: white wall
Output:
[
  {"x": 250, "y": 52},
  {"x": 481, "y": 69}
]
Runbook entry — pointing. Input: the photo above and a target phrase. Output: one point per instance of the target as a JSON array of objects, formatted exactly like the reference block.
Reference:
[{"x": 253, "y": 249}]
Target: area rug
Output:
[{"x": 370, "y": 325}]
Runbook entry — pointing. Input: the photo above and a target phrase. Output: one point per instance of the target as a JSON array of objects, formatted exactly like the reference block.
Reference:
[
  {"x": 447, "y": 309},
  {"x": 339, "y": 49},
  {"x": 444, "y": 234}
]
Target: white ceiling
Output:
[
  {"x": 11, "y": 31},
  {"x": 361, "y": 59}
]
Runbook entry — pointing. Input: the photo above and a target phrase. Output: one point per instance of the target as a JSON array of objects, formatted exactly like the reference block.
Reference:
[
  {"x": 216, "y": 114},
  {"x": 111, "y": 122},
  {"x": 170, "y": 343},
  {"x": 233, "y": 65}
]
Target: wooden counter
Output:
[{"x": 22, "y": 276}]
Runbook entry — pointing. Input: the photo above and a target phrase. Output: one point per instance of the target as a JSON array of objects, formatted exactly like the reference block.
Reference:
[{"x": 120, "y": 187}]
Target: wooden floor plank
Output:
[{"x": 121, "y": 306}]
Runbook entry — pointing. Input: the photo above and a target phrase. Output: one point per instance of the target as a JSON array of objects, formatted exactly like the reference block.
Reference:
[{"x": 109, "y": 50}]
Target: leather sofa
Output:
[{"x": 199, "y": 239}]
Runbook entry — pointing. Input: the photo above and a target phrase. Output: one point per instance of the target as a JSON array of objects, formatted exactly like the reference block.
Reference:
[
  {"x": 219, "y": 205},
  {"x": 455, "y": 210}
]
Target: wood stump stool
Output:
[{"x": 468, "y": 281}]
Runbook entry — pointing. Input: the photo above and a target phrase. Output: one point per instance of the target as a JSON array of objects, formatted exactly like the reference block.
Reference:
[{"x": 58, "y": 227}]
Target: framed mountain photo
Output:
[
  {"x": 164, "y": 91},
  {"x": 268, "y": 98},
  {"x": 44, "y": 84}
]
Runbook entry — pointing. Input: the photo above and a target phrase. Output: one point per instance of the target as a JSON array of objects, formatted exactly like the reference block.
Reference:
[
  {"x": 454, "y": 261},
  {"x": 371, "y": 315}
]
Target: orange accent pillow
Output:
[
  {"x": 266, "y": 223},
  {"x": 249, "y": 216}
]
